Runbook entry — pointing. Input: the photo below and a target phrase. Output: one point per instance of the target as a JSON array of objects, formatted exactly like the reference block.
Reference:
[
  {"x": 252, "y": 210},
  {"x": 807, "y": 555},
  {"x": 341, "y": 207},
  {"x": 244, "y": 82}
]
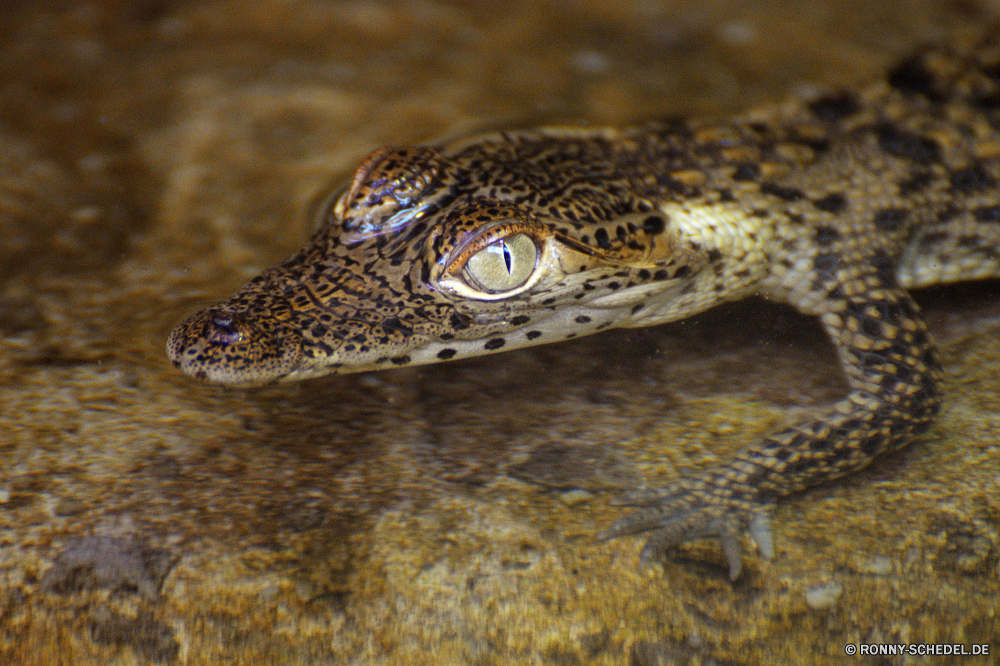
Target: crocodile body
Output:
[{"x": 836, "y": 205}]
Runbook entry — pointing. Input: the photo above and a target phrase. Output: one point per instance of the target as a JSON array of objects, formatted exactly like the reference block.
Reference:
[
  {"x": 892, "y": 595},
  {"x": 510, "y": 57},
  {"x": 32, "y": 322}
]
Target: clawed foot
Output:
[{"x": 686, "y": 512}]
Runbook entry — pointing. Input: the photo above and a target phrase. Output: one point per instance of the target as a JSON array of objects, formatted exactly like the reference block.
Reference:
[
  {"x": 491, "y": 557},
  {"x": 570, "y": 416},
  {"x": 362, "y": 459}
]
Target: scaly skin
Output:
[{"x": 835, "y": 205}]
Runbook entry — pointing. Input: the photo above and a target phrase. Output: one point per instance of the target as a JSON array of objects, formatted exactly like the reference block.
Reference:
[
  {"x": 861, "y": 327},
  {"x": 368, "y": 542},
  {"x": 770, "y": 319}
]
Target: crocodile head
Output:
[{"x": 429, "y": 254}]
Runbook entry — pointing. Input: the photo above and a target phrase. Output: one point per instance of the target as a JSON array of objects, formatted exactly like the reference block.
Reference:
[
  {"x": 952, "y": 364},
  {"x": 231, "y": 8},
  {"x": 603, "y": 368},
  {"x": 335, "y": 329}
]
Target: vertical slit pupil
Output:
[{"x": 508, "y": 260}]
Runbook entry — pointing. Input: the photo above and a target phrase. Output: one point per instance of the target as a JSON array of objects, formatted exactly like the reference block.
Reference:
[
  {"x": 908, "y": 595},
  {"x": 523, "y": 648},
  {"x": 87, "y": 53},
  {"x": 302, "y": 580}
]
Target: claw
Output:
[
  {"x": 674, "y": 518},
  {"x": 760, "y": 532},
  {"x": 729, "y": 535}
]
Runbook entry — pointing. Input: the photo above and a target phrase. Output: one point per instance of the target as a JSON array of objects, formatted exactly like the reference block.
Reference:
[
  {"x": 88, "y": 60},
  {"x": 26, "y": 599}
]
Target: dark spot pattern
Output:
[
  {"x": 826, "y": 265},
  {"x": 832, "y": 203},
  {"x": 885, "y": 268},
  {"x": 971, "y": 179},
  {"x": 915, "y": 184},
  {"x": 746, "y": 171},
  {"x": 654, "y": 225},
  {"x": 911, "y": 77},
  {"x": 835, "y": 108},
  {"x": 602, "y": 239},
  {"x": 785, "y": 193},
  {"x": 494, "y": 343},
  {"x": 826, "y": 235},
  {"x": 906, "y": 145},
  {"x": 987, "y": 214},
  {"x": 889, "y": 219}
]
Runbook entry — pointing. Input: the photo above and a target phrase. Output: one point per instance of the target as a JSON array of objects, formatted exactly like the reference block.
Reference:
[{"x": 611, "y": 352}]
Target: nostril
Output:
[
  {"x": 225, "y": 330},
  {"x": 232, "y": 346}
]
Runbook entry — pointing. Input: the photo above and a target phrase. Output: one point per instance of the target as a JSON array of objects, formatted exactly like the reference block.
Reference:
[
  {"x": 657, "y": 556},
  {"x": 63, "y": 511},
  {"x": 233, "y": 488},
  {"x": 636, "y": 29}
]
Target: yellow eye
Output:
[{"x": 503, "y": 265}]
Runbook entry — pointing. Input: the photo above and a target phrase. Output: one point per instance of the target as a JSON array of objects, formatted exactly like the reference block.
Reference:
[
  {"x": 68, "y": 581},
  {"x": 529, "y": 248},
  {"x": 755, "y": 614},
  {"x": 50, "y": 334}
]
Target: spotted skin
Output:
[{"x": 836, "y": 205}]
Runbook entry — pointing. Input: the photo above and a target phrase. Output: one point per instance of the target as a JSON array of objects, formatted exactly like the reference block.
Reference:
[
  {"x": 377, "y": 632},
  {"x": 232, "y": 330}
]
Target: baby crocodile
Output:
[{"x": 836, "y": 205}]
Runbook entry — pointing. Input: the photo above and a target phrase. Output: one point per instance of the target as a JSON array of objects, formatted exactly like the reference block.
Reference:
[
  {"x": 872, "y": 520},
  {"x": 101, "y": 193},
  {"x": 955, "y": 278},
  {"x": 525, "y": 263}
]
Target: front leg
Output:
[{"x": 884, "y": 348}]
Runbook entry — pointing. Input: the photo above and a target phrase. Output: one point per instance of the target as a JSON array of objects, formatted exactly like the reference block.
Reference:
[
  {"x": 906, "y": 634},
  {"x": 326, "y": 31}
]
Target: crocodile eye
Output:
[
  {"x": 495, "y": 261},
  {"x": 503, "y": 265}
]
